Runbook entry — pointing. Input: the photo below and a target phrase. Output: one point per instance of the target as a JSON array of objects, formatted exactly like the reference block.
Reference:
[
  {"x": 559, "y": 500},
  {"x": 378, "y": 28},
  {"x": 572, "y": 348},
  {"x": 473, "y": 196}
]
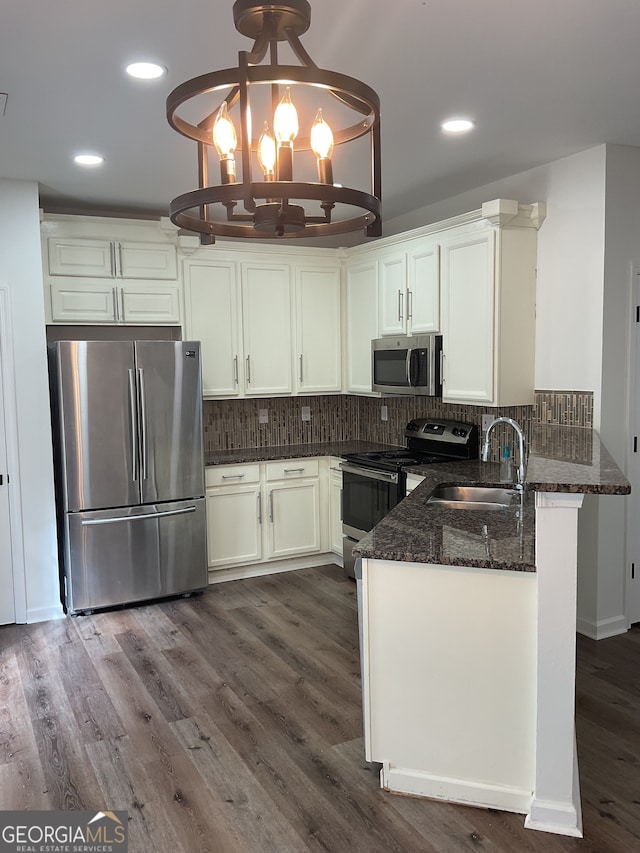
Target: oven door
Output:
[{"x": 367, "y": 496}]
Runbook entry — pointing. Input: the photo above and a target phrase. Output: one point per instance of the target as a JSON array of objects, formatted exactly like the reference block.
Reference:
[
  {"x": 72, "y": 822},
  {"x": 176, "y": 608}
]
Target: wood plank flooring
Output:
[{"x": 231, "y": 723}]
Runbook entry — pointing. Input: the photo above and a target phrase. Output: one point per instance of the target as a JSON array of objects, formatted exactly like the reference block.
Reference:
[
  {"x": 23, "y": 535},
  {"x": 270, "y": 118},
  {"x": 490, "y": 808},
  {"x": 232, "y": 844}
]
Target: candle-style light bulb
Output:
[
  {"x": 321, "y": 137},
  {"x": 322, "y": 145},
  {"x": 285, "y": 126},
  {"x": 267, "y": 153},
  {"x": 226, "y": 141},
  {"x": 285, "y": 120}
]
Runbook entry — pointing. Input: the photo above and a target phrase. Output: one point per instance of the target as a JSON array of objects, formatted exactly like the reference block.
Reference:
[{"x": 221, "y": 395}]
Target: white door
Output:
[
  {"x": 234, "y": 517},
  {"x": 266, "y": 326},
  {"x": 318, "y": 348},
  {"x": 392, "y": 294},
  {"x": 467, "y": 318},
  {"x": 423, "y": 283},
  {"x": 7, "y": 603},
  {"x": 633, "y": 500},
  {"x": 361, "y": 325},
  {"x": 212, "y": 294},
  {"x": 293, "y": 519}
]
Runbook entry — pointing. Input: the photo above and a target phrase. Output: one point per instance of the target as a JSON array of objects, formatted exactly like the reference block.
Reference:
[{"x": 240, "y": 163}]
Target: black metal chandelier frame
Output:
[{"x": 269, "y": 211}]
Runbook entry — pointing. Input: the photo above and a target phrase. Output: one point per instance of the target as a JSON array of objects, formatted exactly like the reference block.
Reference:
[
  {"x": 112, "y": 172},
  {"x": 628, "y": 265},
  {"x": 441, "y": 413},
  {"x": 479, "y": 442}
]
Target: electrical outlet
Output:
[
  {"x": 384, "y": 413},
  {"x": 263, "y": 416},
  {"x": 487, "y": 420},
  {"x": 306, "y": 413}
]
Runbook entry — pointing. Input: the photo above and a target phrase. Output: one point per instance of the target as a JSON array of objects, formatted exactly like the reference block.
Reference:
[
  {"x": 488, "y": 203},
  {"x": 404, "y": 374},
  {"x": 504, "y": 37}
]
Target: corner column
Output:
[{"x": 555, "y": 806}]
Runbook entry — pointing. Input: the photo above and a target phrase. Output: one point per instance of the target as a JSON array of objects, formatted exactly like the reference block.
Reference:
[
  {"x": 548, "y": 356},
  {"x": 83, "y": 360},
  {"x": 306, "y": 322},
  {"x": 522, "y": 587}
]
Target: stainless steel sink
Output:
[{"x": 475, "y": 497}]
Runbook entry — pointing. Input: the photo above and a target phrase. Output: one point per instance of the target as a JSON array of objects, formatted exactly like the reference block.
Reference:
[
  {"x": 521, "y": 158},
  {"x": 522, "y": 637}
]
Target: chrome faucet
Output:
[{"x": 522, "y": 468}]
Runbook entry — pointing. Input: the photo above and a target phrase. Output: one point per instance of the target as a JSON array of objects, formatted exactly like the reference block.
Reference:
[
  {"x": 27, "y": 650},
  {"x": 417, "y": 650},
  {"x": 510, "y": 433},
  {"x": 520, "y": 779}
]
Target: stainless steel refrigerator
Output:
[{"x": 127, "y": 424}]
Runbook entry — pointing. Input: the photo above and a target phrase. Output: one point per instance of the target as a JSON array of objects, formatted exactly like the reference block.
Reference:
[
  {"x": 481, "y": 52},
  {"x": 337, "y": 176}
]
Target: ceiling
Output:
[{"x": 541, "y": 79}]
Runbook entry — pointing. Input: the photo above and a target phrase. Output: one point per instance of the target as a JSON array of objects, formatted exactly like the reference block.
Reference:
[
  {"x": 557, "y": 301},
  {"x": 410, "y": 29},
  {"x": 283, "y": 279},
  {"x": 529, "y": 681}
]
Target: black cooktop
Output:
[{"x": 393, "y": 460}]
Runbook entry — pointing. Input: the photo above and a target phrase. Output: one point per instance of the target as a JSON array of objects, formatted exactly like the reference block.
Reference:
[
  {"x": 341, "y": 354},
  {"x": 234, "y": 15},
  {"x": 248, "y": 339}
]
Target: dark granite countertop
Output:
[
  {"x": 290, "y": 451},
  {"x": 561, "y": 459}
]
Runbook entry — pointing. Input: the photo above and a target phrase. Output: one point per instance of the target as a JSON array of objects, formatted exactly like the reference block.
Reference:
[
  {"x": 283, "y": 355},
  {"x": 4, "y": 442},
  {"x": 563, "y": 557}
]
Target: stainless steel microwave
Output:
[{"x": 407, "y": 365}]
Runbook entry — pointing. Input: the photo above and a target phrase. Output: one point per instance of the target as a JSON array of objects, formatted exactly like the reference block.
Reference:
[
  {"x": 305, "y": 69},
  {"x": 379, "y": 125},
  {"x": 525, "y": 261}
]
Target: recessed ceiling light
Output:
[
  {"x": 146, "y": 70},
  {"x": 88, "y": 159},
  {"x": 457, "y": 125}
]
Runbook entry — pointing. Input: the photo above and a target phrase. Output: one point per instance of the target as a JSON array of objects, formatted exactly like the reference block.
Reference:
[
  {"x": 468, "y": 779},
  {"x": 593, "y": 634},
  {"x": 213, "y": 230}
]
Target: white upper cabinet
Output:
[
  {"x": 409, "y": 288},
  {"x": 361, "y": 323},
  {"x": 87, "y": 300},
  {"x": 488, "y": 288},
  {"x": 103, "y": 270},
  {"x": 423, "y": 286},
  {"x": 78, "y": 256},
  {"x": 213, "y": 313},
  {"x": 468, "y": 302},
  {"x": 318, "y": 334},
  {"x": 266, "y": 329}
]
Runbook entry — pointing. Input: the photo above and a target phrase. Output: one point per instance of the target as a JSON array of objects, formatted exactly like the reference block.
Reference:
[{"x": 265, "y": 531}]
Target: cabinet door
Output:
[
  {"x": 212, "y": 295},
  {"x": 361, "y": 325},
  {"x": 467, "y": 290},
  {"x": 80, "y": 257},
  {"x": 266, "y": 328},
  {"x": 233, "y": 526},
  {"x": 318, "y": 332},
  {"x": 392, "y": 296},
  {"x": 75, "y": 301},
  {"x": 152, "y": 303},
  {"x": 292, "y": 519},
  {"x": 423, "y": 283},
  {"x": 146, "y": 260}
]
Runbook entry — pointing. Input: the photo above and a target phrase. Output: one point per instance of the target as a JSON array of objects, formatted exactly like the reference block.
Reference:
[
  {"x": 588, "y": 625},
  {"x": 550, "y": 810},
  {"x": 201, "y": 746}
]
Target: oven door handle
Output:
[{"x": 371, "y": 473}]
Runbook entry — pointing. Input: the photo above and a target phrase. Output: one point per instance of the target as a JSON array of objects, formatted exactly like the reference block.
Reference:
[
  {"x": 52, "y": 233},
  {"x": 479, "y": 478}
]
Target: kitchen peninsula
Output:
[{"x": 468, "y": 622}]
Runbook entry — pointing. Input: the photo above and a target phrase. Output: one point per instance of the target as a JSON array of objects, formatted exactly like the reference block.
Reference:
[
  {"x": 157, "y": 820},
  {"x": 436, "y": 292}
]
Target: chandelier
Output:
[{"x": 258, "y": 195}]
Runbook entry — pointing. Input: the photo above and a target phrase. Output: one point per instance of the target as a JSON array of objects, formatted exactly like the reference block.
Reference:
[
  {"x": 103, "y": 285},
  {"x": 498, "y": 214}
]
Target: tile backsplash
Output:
[{"x": 233, "y": 424}]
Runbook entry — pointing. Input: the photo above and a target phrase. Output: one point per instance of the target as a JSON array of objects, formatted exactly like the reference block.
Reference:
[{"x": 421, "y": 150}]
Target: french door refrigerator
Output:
[{"x": 127, "y": 424}]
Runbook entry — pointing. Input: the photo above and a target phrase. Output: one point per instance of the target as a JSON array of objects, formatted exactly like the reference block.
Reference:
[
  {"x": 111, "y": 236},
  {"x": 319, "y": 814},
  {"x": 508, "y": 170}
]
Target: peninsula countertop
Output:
[{"x": 561, "y": 459}]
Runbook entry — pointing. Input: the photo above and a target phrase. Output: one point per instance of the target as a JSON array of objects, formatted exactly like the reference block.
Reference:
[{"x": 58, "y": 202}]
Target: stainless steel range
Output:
[{"x": 373, "y": 483}]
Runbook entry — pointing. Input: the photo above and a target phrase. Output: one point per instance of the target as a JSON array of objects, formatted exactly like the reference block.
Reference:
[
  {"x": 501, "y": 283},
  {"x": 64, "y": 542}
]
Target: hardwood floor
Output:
[{"x": 231, "y": 723}]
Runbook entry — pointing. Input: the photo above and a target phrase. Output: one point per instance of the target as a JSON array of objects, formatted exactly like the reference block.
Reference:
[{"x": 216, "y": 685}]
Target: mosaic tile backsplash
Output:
[{"x": 233, "y": 424}]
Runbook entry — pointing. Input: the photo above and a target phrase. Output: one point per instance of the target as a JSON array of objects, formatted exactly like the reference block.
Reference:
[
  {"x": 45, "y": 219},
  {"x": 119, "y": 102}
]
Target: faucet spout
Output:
[{"x": 522, "y": 468}]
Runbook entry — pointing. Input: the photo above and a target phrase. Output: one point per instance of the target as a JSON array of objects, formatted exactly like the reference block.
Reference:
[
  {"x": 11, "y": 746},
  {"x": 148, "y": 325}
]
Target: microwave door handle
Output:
[{"x": 412, "y": 371}]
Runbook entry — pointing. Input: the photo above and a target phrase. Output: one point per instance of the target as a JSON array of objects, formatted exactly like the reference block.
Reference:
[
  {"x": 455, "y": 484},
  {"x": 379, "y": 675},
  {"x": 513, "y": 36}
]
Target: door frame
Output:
[
  {"x": 8, "y": 385},
  {"x": 632, "y": 537}
]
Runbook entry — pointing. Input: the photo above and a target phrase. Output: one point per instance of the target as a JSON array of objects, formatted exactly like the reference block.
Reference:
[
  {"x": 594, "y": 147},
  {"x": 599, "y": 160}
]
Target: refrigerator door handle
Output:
[
  {"x": 90, "y": 522},
  {"x": 134, "y": 425},
  {"x": 143, "y": 423}
]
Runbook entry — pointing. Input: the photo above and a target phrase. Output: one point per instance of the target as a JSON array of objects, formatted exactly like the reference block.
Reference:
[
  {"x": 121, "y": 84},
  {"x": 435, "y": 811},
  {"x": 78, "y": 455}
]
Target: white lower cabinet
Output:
[
  {"x": 234, "y": 504},
  {"x": 292, "y": 493},
  {"x": 263, "y": 512}
]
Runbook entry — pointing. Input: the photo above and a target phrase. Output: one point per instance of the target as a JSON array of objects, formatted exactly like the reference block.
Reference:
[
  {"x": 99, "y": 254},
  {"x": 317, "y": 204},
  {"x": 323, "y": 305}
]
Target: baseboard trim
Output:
[
  {"x": 45, "y": 614},
  {"x": 256, "y": 570},
  {"x": 418, "y": 783},
  {"x": 559, "y": 818},
  {"x": 603, "y": 628}
]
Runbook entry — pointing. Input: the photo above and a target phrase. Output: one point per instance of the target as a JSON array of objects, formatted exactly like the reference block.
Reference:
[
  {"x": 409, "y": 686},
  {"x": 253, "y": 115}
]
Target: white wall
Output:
[{"x": 21, "y": 271}]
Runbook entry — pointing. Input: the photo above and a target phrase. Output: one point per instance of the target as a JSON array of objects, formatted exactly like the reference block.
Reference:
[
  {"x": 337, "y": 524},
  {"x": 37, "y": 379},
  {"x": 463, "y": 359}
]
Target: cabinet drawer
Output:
[
  {"x": 290, "y": 469},
  {"x": 231, "y": 475}
]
